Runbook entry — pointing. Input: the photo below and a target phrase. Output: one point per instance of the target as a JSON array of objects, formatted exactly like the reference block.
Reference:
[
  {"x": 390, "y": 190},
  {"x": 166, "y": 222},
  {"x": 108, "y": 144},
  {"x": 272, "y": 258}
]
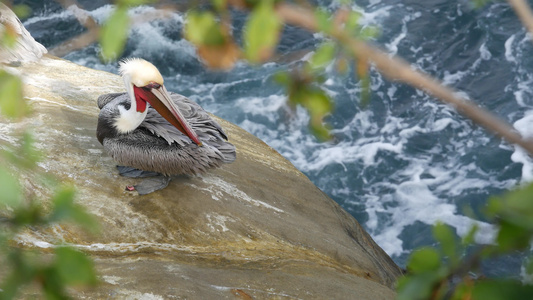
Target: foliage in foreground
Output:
[
  {"x": 449, "y": 273},
  {"x": 56, "y": 267}
]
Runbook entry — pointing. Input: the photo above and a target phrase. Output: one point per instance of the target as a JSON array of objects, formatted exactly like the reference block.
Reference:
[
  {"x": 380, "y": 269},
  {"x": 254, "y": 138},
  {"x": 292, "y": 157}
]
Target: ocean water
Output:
[{"x": 398, "y": 166}]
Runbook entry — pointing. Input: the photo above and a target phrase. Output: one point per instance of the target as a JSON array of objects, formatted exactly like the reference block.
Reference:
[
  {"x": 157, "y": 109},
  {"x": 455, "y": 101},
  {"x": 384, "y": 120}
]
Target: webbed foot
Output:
[
  {"x": 151, "y": 184},
  {"x": 156, "y": 181}
]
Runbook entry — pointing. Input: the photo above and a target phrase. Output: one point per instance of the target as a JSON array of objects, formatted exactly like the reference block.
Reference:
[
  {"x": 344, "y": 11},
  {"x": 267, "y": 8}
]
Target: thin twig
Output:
[
  {"x": 397, "y": 69},
  {"x": 524, "y": 13}
]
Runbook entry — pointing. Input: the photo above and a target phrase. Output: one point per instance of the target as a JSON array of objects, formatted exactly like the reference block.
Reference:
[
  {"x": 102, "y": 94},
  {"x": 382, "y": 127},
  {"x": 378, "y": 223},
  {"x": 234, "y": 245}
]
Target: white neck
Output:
[{"x": 129, "y": 120}]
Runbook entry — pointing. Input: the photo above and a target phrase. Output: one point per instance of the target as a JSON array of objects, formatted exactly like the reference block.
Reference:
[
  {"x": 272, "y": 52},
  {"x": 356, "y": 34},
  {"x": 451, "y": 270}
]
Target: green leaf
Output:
[
  {"x": 480, "y": 3},
  {"x": 261, "y": 33},
  {"x": 352, "y": 23},
  {"x": 31, "y": 214},
  {"x": 282, "y": 78},
  {"x": 423, "y": 260},
  {"x": 125, "y": 3},
  {"x": 202, "y": 28},
  {"x": 22, "y": 10},
  {"x": 114, "y": 34},
  {"x": 446, "y": 237},
  {"x": 318, "y": 103},
  {"x": 512, "y": 237},
  {"x": 11, "y": 191},
  {"x": 220, "y": 5},
  {"x": 529, "y": 266},
  {"x": 323, "y": 55},
  {"x": 369, "y": 32},
  {"x": 74, "y": 267},
  {"x": 323, "y": 20},
  {"x": 515, "y": 207},
  {"x": 469, "y": 238},
  {"x": 501, "y": 289},
  {"x": 12, "y": 105},
  {"x": 416, "y": 287},
  {"x": 22, "y": 273}
]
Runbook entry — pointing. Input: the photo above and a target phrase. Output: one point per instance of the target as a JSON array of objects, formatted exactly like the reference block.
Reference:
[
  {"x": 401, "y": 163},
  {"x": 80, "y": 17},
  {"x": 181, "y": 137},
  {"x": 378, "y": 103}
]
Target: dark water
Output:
[{"x": 402, "y": 164}]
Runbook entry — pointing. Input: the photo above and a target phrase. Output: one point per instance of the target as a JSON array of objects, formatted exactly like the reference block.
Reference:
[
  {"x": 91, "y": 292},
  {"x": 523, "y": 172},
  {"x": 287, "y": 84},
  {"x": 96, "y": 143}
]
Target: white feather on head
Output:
[{"x": 140, "y": 72}]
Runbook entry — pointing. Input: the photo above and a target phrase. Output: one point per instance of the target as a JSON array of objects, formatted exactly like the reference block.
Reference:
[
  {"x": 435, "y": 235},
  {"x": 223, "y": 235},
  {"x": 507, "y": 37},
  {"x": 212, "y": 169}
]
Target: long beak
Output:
[{"x": 160, "y": 100}]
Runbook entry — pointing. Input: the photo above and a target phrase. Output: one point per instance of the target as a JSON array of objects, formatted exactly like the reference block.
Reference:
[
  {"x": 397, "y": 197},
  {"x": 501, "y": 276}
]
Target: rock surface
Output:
[
  {"x": 256, "y": 228},
  {"x": 25, "y": 48}
]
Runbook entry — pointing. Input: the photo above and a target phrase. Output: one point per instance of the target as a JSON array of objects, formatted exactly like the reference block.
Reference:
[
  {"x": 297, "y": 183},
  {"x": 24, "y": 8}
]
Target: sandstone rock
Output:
[
  {"x": 254, "y": 228},
  {"x": 25, "y": 47}
]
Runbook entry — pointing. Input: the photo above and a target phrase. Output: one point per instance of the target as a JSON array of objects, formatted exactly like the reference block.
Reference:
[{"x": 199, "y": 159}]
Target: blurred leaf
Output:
[
  {"x": 480, "y": 3},
  {"x": 320, "y": 129},
  {"x": 220, "y": 57},
  {"x": 529, "y": 266},
  {"x": 362, "y": 72},
  {"x": 220, "y": 5},
  {"x": 22, "y": 10},
  {"x": 9, "y": 36},
  {"x": 52, "y": 284},
  {"x": 261, "y": 32},
  {"x": 64, "y": 209},
  {"x": 31, "y": 214},
  {"x": 512, "y": 237},
  {"x": 125, "y": 3},
  {"x": 323, "y": 20},
  {"x": 114, "y": 34},
  {"x": 514, "y": 207},
  {"x": 11, "y": 191},
  {"x": 469, "y": 238},
  {"x": 12, "y": 105},
  {"x": 446, "y": 237},
  {"x": 416, "y": 287},
  {"x": 202, "y": 28},
  {"x": 323, "y": 56},
  {"x": 369, "y": 32},
  {"x": 352, "y": 23},
  {"x": 282, "y": 78},
  {"x": 342, "y": 65},
  {"x": 318, "y": 103},
  {"x": 463, "y": 290},
  {"x": 21, "y": 273},
  {"x": 501, "y": 289},
  {"x": 74, "y": 267},
  {"x": 424, "y": 260}
]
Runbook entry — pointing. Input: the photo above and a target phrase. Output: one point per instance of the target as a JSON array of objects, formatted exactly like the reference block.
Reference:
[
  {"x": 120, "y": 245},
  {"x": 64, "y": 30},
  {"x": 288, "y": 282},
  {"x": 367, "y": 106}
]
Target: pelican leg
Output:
[
  {"x": 135, "y": 173},
  {"x": 152, "y": 184},
  {"x": 156, "y": 181}
]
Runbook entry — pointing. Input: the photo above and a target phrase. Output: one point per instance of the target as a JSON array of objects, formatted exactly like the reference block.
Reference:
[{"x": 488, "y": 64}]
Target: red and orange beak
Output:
[{"x": 160, "y": 100}]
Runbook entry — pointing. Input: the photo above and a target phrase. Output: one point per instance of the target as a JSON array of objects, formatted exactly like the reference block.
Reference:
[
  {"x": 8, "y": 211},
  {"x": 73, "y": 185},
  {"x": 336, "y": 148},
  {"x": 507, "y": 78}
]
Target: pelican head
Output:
[{"x": 144, "y": 85}]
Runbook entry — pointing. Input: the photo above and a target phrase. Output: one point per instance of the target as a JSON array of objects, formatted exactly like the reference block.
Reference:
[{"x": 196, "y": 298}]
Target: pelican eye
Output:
[{"x": 152, "y": 85}]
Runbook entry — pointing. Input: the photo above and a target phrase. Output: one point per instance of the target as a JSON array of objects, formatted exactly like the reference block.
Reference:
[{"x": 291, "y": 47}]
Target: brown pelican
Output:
[{"x": 150, "y": 129}]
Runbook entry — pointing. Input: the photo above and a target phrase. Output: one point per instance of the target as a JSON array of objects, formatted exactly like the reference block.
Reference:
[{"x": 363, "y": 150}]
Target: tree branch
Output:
[
  {"x": 524, "y": 13},
  {"x": 395, "y": 68}
]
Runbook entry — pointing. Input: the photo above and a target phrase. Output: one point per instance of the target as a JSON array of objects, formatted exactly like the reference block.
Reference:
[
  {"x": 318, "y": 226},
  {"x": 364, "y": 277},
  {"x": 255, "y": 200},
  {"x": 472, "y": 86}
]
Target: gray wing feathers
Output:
[{"x": 206, "y": 128}]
